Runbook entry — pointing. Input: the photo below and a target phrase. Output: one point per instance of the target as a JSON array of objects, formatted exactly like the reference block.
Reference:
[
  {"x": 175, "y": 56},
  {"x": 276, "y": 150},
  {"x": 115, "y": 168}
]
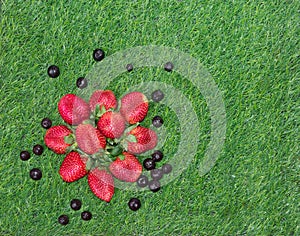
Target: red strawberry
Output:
[
  {"x": 101, "y": 183},
  {"x": 134, "y": 107},
  {"x": 111, "y": 124},
  {"x": 73, "y": 167},
  {"x": 89, "y": 139},
  {"x": 73, "y": 109},
  {"x": 128, "y": 169},
  {"x": 104, "y": 98},
  {"x": 55, "y": 138},
  {"x": 146, "y": 139}
]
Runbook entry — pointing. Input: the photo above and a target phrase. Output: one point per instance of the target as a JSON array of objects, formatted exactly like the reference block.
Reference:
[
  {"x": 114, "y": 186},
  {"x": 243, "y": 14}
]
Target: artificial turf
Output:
[{"x": 251, "y": 49}]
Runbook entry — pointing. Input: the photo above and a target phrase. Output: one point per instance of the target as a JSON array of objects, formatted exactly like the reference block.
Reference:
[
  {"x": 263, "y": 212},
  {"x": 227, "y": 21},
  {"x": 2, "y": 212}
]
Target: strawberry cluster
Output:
[{"x": 101, "y": 139}]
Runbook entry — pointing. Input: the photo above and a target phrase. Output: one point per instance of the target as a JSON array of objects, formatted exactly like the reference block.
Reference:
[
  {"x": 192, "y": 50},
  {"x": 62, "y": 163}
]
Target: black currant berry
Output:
[
  {"x": 166, "y": 168},
  {"x": 24, "y": 155},
  {"x": 46, "y": 123},
  {"x": 157, "y": 156},
  {"x": 129, "y": 67},
  {"x": 75, "y": 204},
  {"x": 157, "y": 95},
  {"x": 35, "y": 174},
  {"x": 86, "y": 215},
  {"x": 156, "y": 174},
  {"x": 169, "y": 66},
  {"x": 142, "y": 181},
  {"x": 53, "y": 71},
  {"x": 134, "y": 204},
  {"x": 38, "y": 149},
  {"x": 81, "y": 82},
  {"x": 63, "y": 219},
  {"x": 149, "y": 164},
  {"x": 98, "y": 54},
  {"x": 154, "y": 185},
  {"x": 157, "y": 121}
]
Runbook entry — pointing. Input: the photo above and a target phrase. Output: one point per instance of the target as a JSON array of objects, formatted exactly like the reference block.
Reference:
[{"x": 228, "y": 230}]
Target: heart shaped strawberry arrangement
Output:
[{"x": 101, "y": 139}]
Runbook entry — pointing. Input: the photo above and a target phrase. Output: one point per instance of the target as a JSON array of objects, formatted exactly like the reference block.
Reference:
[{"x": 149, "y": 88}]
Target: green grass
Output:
[{"x": 252, "y": 51}]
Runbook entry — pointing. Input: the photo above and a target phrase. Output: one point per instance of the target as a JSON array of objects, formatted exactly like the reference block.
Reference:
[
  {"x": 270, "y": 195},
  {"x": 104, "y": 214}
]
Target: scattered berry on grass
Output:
[
  {"x": 98, "y": 54},
  {"x": 156, "y": 174},
  {"x": 142, "y": 181},
  {"x": 75, "y": 204},
  {"x": 86, "y": 215},
  {"x": 154, "y": 185},
  {"x": 149, "y": 164},
  {"x": 157, "y": 95},
  {"x": 134, "y": 204},
  {"x": 63, "y": 219},
  {"x": 46, "y": 123},
  {"x": 157, "y": 121},
  {"x": 166, "y": 168},
  {"x": 81, "y": 82},
  {"x": 24, "y": 155},
  {"x": 169, "y": 66},
  {"x": 157, "y": 155},
  {"x": 38, "y": 149},
  {"x": 35, "y": 174},
  {"x": 129, "y": 67},
  {"x": 53, "y": 71}
]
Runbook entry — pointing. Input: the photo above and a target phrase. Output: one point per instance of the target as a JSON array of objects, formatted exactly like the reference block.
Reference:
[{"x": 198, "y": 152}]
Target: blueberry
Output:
[
  {"x": 157, "y": 156},
  {"x": 154, "y": 185},
  {"x": 81, "y": 82},
  {"x": 142, "y": 181},
  {"x": 38, "y": 149},
  {"x": 156, "y": 174},
  {"x": 134, "y": 204},
  {"x": 24, "y": 155},
  {"x": 129, "y": 67},
  {"x": 35, "y": 174},
  {"x": 46, "y": 123},
  {"x": 53, "y": 71},
  {"x": 166, "y": 168},
  {"x": 169, "y": 66},
  {"x": 157, "y": 121},
  {"x": 98, "y": 54},
  {"x": 75, "y": 204},
  {"x": 86, "y": 215},
  {"x": 157, "y": 95},
  {"x": 149, "y": 164},
  {"x": 63, "y": 219}
]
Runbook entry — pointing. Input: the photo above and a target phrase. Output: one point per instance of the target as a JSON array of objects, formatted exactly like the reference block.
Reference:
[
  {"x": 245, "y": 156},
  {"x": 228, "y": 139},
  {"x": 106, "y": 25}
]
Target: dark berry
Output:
[
  {"x": 53, "y": 71},
  {"x": 169, "y": 66},
  {"x": 157, "y": 156},
  {"x": 38, "y": 149},
  {"x": 157, "y": 95},
  {"x": 129, "y": 67},
  {"x": 86, "y": 215},
  {"x": 35, "y": 174},
  {"x": 134, "y": 204},
  {"x": 75, "y": 204},
  {"x": 157, "y": 121},
  {"x": 46, "y": 123},
  {"x": 24, "y": 155},
  {"x": 149, "y": 164},
  {"x": 156, "y": 174},
  {"x": 63, "y": 219},
  {"x": 98, "y": 54},
  {"x": 81, "y": 82},
  {"x": 166, "y": 168},
  {"x": 142, "y": 181},
  {"x": 154, "y": 185}
]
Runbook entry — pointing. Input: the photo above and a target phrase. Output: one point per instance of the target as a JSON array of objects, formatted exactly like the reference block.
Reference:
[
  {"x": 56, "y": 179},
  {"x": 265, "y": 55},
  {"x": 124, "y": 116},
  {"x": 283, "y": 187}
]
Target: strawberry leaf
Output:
[
  {"x": 116, "y": 151},
  {"x": 131, "y": 127},
  {"x": 89, "y": 164},
  {"x": 69, "y": 139},
  {"x": 131, "y": 138}
]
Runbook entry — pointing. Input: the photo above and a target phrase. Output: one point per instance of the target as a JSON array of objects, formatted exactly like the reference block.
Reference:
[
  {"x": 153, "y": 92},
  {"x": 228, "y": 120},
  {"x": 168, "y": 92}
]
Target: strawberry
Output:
[
  {"x": 105, "y": 98},
  {"x": 73, "y": 109},
  {"x": 134, "y": 107},
  {"x": 89, "y": 139},
  {"x": 111, "y": 124},
  {"x": 55, "y": 138},
  {"x": 101, "y": 183},
  {"x": 73, "y": 167},
  {"x": 146, "y": 139},
  {"x": 128, "y": 169}
]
